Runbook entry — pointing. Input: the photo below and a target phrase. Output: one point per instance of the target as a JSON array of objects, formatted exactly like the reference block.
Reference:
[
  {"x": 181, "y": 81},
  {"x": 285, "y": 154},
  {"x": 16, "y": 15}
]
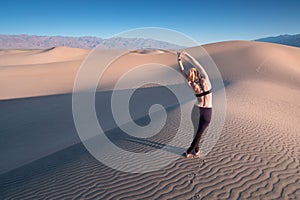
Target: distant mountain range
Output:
[
  {"x": 89, "y": 42},
  {"x": 86, "y": 42},
  {"x": 291, "y": 40}
]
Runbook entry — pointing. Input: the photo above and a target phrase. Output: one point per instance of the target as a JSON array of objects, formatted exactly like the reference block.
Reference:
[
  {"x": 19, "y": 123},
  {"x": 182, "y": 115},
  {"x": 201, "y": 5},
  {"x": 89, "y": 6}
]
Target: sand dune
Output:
[
  {"x": 28, "y": 73},
  {"x": 256, "y": 157},
  {"x": 240, "y": 60},
  {"x": 29, "y": 57}
]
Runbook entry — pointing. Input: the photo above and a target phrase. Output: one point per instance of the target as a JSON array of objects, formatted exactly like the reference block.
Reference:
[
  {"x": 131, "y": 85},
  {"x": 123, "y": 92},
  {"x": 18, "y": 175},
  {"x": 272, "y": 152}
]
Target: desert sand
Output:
[{"x": 256, "y": 157}]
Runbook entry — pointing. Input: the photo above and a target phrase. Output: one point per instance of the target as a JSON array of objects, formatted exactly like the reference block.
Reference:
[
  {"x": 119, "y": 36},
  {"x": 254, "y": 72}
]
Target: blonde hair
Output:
[{"x": 192, "y": 74}]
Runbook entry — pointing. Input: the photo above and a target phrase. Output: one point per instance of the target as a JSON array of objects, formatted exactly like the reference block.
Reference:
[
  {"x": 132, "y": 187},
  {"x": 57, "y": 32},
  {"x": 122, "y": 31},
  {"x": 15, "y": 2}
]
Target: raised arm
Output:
[
  {"x": 181, "y": 67},
  {"x": 195, "y": 62}
]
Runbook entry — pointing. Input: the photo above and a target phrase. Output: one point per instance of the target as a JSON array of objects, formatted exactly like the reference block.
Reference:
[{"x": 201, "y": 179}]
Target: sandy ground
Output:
[{"x": 256, "y": 157}]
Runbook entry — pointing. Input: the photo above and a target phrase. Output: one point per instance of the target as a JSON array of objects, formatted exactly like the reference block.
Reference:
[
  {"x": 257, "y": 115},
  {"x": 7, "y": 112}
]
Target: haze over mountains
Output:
[
  {"x": 291, "y": 40},
  {"x": 85, "y": 42}
]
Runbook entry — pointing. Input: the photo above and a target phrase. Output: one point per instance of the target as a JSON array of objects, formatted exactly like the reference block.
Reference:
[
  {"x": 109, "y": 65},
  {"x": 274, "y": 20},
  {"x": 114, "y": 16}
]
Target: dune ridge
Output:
[{"x": 41, "y": 56}]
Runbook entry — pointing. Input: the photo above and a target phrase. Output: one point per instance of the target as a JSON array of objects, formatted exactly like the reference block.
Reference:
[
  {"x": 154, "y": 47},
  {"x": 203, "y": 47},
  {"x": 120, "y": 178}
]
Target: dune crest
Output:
[
  {"x": 241, "y": 60},
  {"x": 32, "y": 57},
  {"x": 148, "y": 51},
  {"x": 236, "y": 60}
]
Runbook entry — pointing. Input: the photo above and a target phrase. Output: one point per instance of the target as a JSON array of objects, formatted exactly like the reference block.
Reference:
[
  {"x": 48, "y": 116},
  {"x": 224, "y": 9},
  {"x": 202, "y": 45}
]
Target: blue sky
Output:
[{"x": 204, "y": 20}]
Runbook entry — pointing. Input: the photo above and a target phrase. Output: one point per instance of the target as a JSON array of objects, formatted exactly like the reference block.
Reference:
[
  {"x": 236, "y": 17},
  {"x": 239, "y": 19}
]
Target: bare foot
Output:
[
  {"x": 188, "y": 155},
  {"x": 197, "y": 154}
]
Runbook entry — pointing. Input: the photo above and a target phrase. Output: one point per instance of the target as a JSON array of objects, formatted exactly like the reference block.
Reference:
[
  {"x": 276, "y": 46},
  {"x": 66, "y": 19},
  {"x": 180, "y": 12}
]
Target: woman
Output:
[{"x": 199, "y": 82}]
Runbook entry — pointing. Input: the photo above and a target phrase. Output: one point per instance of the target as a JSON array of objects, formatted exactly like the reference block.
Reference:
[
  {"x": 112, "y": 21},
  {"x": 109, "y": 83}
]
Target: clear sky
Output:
[{"x": 205, "y": 21}]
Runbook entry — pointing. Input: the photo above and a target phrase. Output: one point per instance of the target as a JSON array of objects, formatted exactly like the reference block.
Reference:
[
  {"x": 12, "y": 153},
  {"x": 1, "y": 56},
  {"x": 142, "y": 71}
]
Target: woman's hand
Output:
[
  {"x": 180, "y": 55},
  {"x": 181, "y": 67}
]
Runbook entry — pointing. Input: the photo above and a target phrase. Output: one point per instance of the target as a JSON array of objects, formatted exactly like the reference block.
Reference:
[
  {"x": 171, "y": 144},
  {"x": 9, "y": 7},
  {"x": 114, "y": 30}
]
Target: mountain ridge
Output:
[
  {"x": 286, "y": 39},
  {"x": 24, "y": 41}
]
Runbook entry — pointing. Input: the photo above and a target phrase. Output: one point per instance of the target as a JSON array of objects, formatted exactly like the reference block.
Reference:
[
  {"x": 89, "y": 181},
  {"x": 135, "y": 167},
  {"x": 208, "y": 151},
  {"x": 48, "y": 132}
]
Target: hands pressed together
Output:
[{"x": 180, "y": 55}]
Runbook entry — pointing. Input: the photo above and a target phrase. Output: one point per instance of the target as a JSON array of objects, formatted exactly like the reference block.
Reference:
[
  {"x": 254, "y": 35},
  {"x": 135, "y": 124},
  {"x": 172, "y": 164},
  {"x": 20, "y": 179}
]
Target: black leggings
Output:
[{"x": 205, "y": 118}]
